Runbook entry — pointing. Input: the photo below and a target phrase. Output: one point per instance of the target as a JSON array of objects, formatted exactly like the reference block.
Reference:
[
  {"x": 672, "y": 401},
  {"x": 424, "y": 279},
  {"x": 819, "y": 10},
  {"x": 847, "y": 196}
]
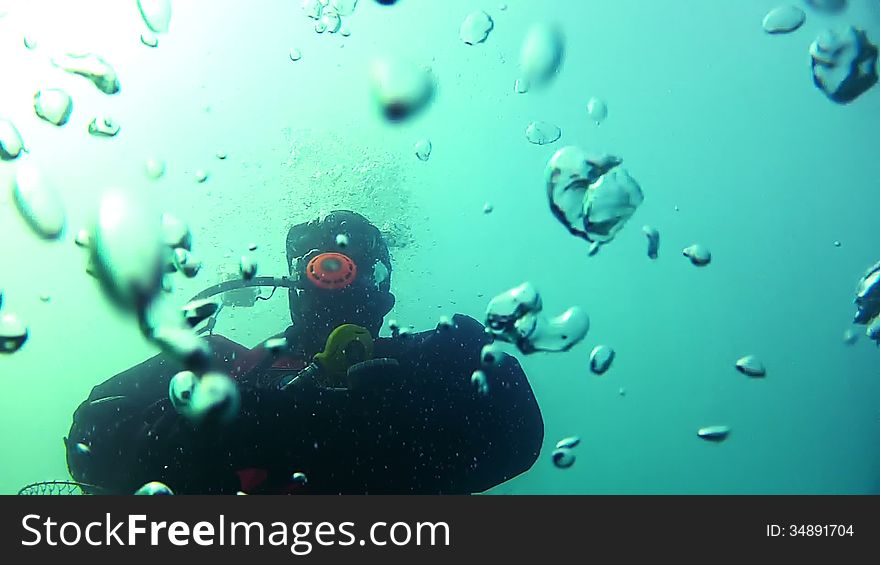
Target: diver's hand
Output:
[{"x": 379, "y": 373}]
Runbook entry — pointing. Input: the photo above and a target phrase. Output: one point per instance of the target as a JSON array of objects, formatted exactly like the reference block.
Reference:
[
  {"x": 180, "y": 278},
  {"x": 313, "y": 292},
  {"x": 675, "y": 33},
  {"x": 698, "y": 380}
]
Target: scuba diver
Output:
[{"x": 332, "y": 410}]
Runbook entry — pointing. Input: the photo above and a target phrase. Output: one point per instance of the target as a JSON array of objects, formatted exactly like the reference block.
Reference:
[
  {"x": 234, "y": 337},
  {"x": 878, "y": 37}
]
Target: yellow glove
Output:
[{"x": 347, "y": 345}]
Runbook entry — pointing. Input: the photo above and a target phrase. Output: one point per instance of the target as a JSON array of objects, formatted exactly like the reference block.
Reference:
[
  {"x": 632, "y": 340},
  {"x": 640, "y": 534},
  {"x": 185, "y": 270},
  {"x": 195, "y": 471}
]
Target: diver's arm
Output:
[
  {"x": 127, "y": 433},
  {"x": 475, "y": 441},
  {"x": 505, "y": 425}
]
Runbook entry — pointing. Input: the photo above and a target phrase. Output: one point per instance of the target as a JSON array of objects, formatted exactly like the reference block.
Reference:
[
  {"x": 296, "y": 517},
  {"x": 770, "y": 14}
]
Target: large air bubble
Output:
[
  {"x": 541, "y": 54},
  {"x": 844, "y": 64},
  {"x": 591, "y": 194},
  {"x": 214, "y": 399},
  {"x": 38, "y": 202},
  {"x": 515, "y": 316},
  {"x": 184, "y": 345},
  {"x": 401, "y": 89},
  {"x": 127, "y": 248}
]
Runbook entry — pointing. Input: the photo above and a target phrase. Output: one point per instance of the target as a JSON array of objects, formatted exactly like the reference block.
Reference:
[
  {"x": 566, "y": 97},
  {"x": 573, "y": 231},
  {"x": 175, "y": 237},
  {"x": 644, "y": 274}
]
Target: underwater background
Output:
[{"x": 719, "y": 121}]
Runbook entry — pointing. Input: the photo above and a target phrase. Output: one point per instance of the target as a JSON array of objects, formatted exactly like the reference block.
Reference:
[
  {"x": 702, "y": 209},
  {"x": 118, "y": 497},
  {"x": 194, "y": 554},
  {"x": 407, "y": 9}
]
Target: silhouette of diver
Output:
[{"x": 386, "y": 416}]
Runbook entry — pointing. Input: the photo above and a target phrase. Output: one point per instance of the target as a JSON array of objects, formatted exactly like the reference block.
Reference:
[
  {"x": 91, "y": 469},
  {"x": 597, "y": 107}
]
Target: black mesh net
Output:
[{"x": 56, "y": 488}]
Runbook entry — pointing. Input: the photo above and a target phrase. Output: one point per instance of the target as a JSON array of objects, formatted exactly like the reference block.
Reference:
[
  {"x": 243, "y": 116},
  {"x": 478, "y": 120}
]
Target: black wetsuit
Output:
[{"x": 425, "y": 430}]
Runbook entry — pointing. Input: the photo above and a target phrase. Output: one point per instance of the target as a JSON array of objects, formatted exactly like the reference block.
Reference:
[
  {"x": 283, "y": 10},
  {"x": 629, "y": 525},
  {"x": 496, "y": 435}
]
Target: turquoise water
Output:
[{"x": 718, "y": 121}]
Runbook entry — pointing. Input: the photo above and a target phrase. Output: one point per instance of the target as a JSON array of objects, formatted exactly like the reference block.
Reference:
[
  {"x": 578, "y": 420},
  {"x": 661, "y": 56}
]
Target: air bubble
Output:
[
  {"x": 844, "y": 64},
  {"x": 37, "y": 202},
  {"x": 187, "y": 262},
  {"x": 601, "y": 358},
  {"x": 155, "y": 168},
  {"x": 568, "y": 443},
  {"x": 53, "y": 105},
  {"x": 445, "y": 323},
  {"x": 312, "y": 8},
  {"x": 653, "y": 241},
  {"x": 698, "y": 254},
  {"x": 198, "y": 311},
  {"x": 476, "y": 28},
  {"x": 156, "y": 14},
  {"x": 330, "y": 21},
  {"x": 13, "y": 333},
  {"x": 82, "y": 238},
  {"x": 184, "y": 345},
  {"x": 491, "y": 356},
  {"x": 597, "y": 109},
  {"x": 127, "y": 248},
  {"x": 103, "y": 127},
  {"x": 867, "y": 299},
  {"x": 400, "y": 88},
  {"x": 180, "y": 390},
  {"x": 344, "y": 7},
  {"x": 714, "y": 433},
  {"x": 592, "y": 195},
  {"x": 150, "y": 39},
  {"x": 215, "y": 397},
  {"x": 563, "y": 458},
  {"x": 783, "y": 19},
  {"x": 480, "y": 383},
  {"x": 92, "y": 67},
  {"x": 873, "y": 330},
  {"x": 423, "y": 149},
  {"x": 751, "y": 366},
  {"x": 11, "y": 144},
  {"x": 154, "y": 488},
  {"x": 541, "y": 53},
  {"x": 542, "y": 133},
  {"x": 276, "y": 345},
  {"x": 515, "y": 316},
  {"x": 247, "y": 266}
]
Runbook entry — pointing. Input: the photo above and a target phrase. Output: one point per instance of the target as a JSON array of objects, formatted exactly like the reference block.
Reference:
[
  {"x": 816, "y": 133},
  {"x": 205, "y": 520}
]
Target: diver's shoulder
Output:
[
  {"x": 463, "y": 323},
  {"x": 460, "y": 328}
]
